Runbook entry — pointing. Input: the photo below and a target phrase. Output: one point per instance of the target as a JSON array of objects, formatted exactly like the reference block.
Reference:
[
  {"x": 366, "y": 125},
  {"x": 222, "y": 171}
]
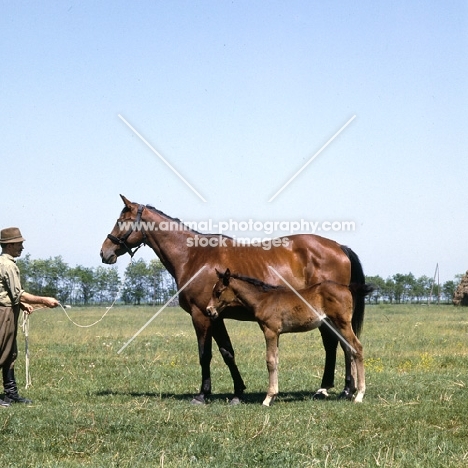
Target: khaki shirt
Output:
[{"x": 10, "y": 282}]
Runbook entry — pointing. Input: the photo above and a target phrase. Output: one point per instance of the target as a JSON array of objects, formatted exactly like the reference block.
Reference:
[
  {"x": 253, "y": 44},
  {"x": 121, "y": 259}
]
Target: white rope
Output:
[
  {"x": 92, "y": 324},
  {"x": 25, "y": 328}
]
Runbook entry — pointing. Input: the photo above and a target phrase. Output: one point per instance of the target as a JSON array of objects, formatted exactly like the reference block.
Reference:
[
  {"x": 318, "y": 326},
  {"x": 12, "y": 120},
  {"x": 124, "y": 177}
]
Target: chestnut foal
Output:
[{"x": 280, "y": 310}]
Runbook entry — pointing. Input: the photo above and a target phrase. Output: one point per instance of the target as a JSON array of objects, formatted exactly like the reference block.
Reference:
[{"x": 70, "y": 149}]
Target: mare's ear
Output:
[
  {"x": 218, "y": 273},
  {"x": 226, "y": 276},
  {"x": 126, "y": 201}
]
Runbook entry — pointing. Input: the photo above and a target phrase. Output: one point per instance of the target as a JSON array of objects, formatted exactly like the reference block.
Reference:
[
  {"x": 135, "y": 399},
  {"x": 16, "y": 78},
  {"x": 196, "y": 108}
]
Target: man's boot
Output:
[{"x": 10, "y": 388}]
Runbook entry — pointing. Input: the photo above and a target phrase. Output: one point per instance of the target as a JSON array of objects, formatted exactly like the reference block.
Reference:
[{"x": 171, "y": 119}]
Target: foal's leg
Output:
[
  {"x": 358, "y": 361},
  {"x": 354, "y": 366},
  {"x": 223, "y": 341},
  {"x": 271, "y": 340}
]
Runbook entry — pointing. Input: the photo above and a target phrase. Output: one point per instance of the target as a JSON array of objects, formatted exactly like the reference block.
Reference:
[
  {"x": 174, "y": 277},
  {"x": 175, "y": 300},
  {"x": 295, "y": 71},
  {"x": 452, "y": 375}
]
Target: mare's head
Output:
[
  {"x": 222, "y": 295},
  {"x": 126, "y": 234}
]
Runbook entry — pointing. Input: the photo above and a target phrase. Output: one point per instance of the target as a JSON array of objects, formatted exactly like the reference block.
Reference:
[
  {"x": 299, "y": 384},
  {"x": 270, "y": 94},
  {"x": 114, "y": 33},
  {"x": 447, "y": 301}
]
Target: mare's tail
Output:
[{"x": 359, "y": 289}]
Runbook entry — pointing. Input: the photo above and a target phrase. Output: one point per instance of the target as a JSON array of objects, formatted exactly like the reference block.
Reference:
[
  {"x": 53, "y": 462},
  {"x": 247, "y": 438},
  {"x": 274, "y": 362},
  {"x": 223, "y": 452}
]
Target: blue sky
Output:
[{"x": 238, "y": 96}]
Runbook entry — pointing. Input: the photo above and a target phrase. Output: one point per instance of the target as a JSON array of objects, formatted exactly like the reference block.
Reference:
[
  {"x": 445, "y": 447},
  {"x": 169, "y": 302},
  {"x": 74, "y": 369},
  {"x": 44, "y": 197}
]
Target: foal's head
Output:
[
  {"x": 243, "y": 291},
  {"x": 222, "y": 295}
]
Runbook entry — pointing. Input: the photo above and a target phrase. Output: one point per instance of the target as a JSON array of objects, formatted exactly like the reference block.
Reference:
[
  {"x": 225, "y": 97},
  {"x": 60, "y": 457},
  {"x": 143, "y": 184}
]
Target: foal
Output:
[{"x": 281, "y": 310}]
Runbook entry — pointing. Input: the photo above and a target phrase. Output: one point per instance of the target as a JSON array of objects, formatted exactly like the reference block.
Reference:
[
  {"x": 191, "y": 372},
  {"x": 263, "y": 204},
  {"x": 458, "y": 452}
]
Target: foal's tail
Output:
[{"x": 359, "y": 289}]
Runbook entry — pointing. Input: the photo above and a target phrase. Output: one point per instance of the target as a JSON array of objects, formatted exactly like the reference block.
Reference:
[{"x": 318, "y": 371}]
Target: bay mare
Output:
[
  {"x": 279, "y": 309},
  {"x": 302, "y": 260}
]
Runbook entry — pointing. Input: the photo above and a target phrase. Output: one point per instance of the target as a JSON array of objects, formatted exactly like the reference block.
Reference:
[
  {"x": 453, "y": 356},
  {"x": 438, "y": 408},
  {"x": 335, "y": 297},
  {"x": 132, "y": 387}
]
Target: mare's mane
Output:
[
  {"x": 126, "y": 209},
  {"x": 170, "y": 218}
]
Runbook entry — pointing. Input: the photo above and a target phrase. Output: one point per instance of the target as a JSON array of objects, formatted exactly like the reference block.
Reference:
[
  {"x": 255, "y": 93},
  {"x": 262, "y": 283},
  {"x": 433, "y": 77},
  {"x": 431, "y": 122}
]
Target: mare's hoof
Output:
[
  {"x": 345, "y": 395},
  {"x": 320, "y": 395},
  {"x": 198, "y": 400},
  {"x": 235, "y": 401}
]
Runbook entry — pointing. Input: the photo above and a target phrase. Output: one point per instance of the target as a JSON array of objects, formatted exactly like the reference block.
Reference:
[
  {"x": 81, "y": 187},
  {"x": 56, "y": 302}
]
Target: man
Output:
[{"x": 12, "y": 299}]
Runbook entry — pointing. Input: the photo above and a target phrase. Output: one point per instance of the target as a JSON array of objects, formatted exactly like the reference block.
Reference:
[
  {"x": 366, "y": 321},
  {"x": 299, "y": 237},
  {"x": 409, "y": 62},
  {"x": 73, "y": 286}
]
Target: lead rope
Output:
[{"x": 25, "y": 328}]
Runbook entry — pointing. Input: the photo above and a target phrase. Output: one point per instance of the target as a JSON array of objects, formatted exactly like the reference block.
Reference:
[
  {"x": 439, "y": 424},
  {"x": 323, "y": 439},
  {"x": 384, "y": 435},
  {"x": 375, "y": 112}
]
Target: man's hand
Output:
[
  {"x": 50, "y": 302},
  {"x": 28, "y": 308}
]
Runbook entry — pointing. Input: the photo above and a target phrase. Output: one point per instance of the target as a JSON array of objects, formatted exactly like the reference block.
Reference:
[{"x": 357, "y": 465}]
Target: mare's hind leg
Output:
[
  {"x": 350, "y": 374},
  {"x": 226, "y": 349},
  {"x": 330, "y": 343}
]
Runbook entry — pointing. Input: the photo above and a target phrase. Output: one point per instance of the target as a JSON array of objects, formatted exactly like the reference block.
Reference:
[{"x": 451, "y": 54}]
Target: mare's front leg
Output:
[
  {"x": 330, "y": 343},
  {"x": 272, "y": 361},
  {"x": 226, "y": 349},
  {"x": 202, "y": 325}
]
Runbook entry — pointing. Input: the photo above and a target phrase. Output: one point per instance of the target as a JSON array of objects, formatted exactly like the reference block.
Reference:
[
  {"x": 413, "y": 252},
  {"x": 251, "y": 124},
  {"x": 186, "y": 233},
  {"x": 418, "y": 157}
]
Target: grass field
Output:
[{"x": 95, "y": 407}]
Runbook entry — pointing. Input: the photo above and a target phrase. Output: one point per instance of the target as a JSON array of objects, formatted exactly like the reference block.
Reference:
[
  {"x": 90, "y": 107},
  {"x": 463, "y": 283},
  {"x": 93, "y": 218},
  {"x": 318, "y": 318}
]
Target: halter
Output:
[{"x": 122, "y": 241}]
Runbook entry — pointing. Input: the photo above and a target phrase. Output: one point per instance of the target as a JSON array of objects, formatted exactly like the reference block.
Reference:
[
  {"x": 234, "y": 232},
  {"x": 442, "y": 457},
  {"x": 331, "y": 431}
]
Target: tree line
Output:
[
  {"x": 143, "y": 283},
  {"x": 406, "y": 288},
  {"x": 150, "y": 283}
]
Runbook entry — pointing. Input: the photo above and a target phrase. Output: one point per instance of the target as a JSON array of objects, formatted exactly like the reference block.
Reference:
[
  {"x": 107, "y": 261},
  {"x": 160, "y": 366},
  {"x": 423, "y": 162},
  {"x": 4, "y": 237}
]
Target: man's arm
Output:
[{"x": 32, "y": 299}]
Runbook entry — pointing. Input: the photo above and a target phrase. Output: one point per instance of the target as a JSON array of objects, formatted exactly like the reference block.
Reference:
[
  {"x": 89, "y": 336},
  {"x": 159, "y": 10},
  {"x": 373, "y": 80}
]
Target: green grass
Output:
[{"x": 95, "y": 407}]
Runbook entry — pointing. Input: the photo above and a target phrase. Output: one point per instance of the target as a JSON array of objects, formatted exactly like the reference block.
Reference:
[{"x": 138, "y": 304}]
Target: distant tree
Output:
[
  {"x": 379, "y": 285},
  {"x": 137, "y": 282},
  {"x": 404, "y": 285},
  {"x": 24, "y": 265},
  {"x": 160, "y": 281},
  {"x": 85, "y": 285},
  {"x": 421, "y": 288},
  {"x": 399, "y": 288},
  {"x": 388, "y": 290},
  {"x": 448, "y": 290},
  {"x": 107, "y": 284}
]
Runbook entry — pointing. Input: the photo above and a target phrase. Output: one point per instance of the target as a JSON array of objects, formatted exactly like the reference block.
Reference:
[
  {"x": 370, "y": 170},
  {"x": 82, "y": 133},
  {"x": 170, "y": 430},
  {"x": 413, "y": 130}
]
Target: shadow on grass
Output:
[{"x": 248, "y": 398}]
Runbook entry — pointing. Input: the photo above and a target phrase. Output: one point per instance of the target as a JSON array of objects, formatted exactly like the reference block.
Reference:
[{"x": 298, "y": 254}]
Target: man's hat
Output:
[{"x": 10, "y": 235}]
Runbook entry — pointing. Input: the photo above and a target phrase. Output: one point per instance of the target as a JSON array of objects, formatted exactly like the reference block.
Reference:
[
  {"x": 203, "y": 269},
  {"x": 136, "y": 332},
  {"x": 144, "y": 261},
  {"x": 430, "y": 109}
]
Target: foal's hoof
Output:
[
  {"x": 269, "y": 400},
  {"x": 198, "y": 400},
  {"x": 235, "y": 401}
]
